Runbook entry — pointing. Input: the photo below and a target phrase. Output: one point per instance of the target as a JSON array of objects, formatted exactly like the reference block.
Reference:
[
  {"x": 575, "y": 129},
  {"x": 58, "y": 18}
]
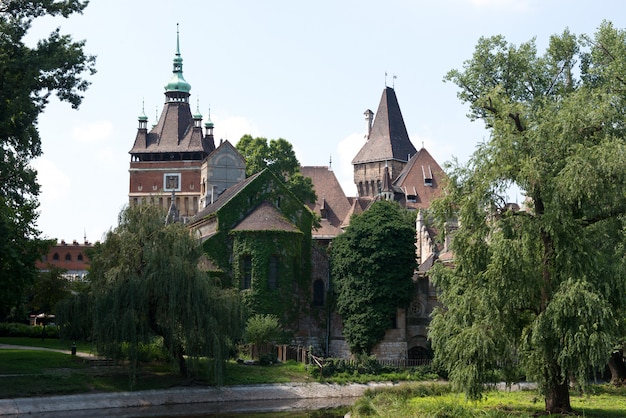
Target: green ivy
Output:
[{"x": 293, "y": 248}]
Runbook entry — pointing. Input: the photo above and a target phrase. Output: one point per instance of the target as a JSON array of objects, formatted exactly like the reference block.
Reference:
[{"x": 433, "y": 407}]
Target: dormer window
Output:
[
  {"x": 323, "y": 209},
  {"x": 410, "y": 196},
  {"x": 428, "y": 176}
]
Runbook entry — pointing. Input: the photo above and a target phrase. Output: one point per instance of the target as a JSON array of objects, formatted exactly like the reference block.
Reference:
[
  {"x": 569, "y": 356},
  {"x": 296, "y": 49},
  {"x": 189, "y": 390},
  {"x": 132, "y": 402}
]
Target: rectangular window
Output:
[{"x": 246, "y": 272}]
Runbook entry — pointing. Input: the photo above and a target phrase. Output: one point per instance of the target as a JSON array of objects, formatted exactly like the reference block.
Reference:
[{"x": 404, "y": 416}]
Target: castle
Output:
[{"x": 259, "y": 238}]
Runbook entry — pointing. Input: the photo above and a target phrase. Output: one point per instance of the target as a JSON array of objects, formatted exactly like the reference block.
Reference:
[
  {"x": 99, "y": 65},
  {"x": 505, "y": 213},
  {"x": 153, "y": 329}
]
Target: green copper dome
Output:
[{"x": 177, "y": 83}]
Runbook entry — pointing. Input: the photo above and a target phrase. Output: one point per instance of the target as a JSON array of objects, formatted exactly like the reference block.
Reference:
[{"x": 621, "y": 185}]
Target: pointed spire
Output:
[
  {"x": 209, "y": 124},
  {"x": 197, "y": 117},
  {"x": 177, "y": 83},
  {"x": 388, "y": 139},
  {"x": 143, "y": 119}
]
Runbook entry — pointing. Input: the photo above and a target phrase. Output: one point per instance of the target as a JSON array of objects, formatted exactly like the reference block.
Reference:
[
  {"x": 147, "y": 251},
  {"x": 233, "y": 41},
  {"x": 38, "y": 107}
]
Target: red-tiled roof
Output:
[
  {"x": 421, "y": 177},
  {"x": 265, "y": 218},
  {"x": 330, "y": 197}
]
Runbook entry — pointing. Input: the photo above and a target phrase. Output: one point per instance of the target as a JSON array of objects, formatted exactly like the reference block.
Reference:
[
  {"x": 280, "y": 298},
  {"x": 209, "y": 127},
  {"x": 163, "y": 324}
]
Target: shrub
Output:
[{"x": 23, "y": 330}]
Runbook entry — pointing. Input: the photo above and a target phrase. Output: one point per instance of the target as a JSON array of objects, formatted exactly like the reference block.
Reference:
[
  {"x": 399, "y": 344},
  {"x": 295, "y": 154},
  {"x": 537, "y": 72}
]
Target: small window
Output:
[
  {"x": 411, "y": 198},
  {"x": 55, "y": 257},
  {"x": 272, "y": 278},
  {"x": 68, "y": 257},
  {"x": 80, "y": 257},
  {"x": 246, "y": 272},
  {"x": 318, "y": 293}
]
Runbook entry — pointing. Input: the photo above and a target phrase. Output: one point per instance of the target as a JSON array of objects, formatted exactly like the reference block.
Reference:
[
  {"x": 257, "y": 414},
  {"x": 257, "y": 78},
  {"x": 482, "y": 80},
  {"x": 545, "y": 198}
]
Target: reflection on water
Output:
[{"x": 284, "y": 408}]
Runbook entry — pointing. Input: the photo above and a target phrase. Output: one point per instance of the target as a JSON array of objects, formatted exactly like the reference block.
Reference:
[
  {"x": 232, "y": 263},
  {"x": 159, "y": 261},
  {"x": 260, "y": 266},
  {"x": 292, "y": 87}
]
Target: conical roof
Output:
[{"x": 388, "y": 139}]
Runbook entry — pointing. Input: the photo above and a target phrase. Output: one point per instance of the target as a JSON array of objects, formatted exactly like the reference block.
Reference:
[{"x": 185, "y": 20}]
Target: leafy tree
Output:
[
  {"x": 277, "y": 155},
  {"x": 50, "y": 288},
  {"x": 261, "y": 332},
  {"x": 28, "y": 76},
  {"x": 145, "y": 282},
  {"x": 373, "y": 264},
  {"x": 545, "y": 286}
]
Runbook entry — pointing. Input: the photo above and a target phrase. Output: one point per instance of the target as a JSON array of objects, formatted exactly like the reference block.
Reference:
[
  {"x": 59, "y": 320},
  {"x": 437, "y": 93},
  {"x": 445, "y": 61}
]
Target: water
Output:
[{"x": 285, "y": 408}]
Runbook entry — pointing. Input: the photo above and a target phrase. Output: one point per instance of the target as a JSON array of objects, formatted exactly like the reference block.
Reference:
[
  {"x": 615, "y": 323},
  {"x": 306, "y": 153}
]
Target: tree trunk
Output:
[
  {"x": 182, "y": 364},
  {"x": 617, "y": 368},
  {"x": 557, "y": 396}
]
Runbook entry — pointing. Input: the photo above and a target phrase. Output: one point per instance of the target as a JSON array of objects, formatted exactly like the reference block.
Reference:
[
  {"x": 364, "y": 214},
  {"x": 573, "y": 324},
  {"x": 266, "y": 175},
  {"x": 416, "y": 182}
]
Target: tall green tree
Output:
[
  {"x": 28, "y": 77},
  {"x": 372, "y": 264},
  {"x": 545, "y": 287},
  {"x": 277, "y": 155},
  {"x": 145, "y": 282}
]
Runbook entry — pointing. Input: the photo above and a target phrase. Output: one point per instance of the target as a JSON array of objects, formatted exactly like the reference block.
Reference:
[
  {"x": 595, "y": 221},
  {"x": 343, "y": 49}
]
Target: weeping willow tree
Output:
[
  {"x": 145, "y": 283},
  {"x": 543, "y": 288}
]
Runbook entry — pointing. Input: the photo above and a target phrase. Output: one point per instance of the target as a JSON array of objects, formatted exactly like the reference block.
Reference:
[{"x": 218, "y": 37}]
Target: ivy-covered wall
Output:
[
  {"x": 227, "y": 247},
  {"x": 278, "y": 298}
]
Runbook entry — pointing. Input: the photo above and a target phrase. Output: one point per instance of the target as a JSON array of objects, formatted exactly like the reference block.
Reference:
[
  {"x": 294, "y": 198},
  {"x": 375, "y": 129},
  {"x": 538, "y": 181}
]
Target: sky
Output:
[{"x": 303, "y": 71}]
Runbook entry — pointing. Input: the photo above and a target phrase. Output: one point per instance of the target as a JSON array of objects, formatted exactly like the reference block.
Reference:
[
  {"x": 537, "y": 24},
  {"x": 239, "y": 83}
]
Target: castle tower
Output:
[
  {"x": 166, "y": 161},
  {"x": 388, "y": 145}
]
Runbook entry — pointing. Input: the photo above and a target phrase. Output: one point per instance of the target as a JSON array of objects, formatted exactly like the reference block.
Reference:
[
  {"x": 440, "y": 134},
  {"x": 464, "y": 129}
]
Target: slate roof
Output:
[
  {"x": 388, "y": 139},
  {"x": 422, "y": 177},
  {"x": 173, "y": 133},
  {"x": 265, "y": 217},
  {"x": 331, "y": 197}
]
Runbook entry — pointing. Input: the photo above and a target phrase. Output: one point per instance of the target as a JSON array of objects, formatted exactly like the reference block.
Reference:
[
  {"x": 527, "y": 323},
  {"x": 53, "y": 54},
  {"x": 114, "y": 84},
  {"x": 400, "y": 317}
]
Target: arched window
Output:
[
  {"x": 272, "y": 278},
  {"x": 318, "y": 293},
  {"x": 55, "y": 257},
  {"x": 80, "y": 257},
  {"x": 246, "y": 272},
  {"x": 68, "y": 257}
]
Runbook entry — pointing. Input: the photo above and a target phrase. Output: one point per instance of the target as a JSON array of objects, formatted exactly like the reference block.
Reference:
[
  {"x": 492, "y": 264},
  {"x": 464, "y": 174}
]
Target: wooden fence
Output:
[{"x": 302, "y": 354}]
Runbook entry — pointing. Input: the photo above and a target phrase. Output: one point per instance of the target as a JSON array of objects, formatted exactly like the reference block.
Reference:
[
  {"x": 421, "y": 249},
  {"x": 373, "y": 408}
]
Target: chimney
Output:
[{"x": 369, "y": 118}]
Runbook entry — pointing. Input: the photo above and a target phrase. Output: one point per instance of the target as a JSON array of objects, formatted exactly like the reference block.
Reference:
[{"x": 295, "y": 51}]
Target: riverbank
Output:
[{"x": 274, "y": 397}]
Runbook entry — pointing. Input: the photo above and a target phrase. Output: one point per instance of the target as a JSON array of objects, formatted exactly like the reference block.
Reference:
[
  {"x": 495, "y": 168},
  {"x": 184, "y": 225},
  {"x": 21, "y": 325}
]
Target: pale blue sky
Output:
[{"x": 303, "y": 71}]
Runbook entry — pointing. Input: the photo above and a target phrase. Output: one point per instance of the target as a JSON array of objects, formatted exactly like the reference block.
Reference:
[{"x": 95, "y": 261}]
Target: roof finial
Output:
[
  {"x": 177, "y": 41},
  {"x": 385, "y": 78},
  {"x": 330, "y": 163},
  {"x": 393, "y": 82}
]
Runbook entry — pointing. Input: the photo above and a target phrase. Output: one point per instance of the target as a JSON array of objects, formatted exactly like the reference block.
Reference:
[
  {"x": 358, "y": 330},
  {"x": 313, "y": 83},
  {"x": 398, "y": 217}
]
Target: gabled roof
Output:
[
  {"x": 226, "y": 147},
  {"x": 330, "y": 197},
  {"x": 422, "y": 177},
  {"x": 265, "y": 218},
  {"x": 225, "y": 197},
  {"x": 388, "y": 139}
]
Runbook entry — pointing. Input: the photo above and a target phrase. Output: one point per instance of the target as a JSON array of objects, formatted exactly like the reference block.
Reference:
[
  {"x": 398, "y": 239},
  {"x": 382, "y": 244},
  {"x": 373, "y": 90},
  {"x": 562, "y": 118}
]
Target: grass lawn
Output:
[
  {"x": 26, "y": 373},
  {"x": 423, "y": 400}
]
